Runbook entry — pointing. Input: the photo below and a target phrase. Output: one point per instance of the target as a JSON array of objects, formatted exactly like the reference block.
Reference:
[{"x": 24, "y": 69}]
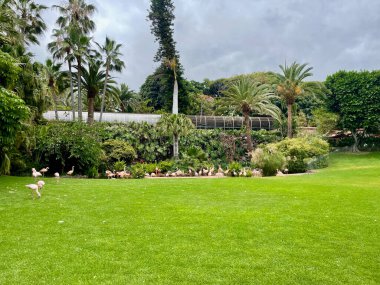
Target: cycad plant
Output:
[
  {"x": 247, "y": 97},
  {"x": 291, "y": 85}
]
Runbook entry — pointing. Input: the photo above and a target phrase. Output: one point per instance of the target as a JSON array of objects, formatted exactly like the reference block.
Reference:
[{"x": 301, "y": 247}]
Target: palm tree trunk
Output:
[
  {"x": 91, "y": 103},
  {"x": 290, "y": 121},
  {"x": 248, "y": 133},
  {"x": 79, "y": 90},
  {"x": 175, "y": 147},
  {"x": 175, "y": 96},
  {"x": 71, "y": 90},
  {"x": 55, "y": 105},
  {"x": 104, "y": 93}
]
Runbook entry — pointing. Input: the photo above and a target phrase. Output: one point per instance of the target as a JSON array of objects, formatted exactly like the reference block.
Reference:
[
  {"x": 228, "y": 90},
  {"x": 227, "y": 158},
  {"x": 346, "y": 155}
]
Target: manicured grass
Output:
[{"x": 312, "y": 229}]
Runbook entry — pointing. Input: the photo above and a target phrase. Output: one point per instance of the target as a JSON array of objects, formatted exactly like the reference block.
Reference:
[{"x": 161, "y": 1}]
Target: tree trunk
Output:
[
  {"x": 104, "y": 93},
  {"x": 175, "y": 96},
  {"x": 175, "y": 147},
  {"x": 79, "y": 90},
  {"x": 55, "y": 105},
  {"x": 71, "y": 90},
  {"x": 290, "y": 121},
  {"x": 356, "y": 143},
  {"x": 248, "y": 133},
  {"x": 91, "y": 103}
]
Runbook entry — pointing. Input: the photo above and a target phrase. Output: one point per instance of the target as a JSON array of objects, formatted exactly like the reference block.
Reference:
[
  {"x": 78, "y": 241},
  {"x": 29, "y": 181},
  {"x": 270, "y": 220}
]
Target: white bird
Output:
[
  {"x": 34, "y": 188},
  {"x": 35, "y": 173},
  {"x": 56, "y": 175},
  {"x": 71, "y": 171},
  {"x": 44, "y": 170},
  {"x": 40, "y": 184}
]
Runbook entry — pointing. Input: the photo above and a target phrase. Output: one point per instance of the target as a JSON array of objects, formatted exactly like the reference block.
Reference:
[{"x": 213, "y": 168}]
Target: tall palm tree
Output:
[
  {"x": 291, "y": 85},
  {"x": 60, "y": 48},
  {"x": 176, "y": 125},
  {"x": 247, "y": 96},
  {"x": 113, "y": 62},
  {"x": 30, "y": 21},
  {"x": 52, "y": 76},
  {"x": 76, "y": 13},
  {"x": 172, "y": 65},
  {"x": 80, "y": 45}
]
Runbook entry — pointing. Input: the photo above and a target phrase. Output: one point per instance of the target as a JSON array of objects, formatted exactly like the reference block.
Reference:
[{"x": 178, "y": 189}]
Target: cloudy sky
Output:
[{"x": 221, "y": 38}]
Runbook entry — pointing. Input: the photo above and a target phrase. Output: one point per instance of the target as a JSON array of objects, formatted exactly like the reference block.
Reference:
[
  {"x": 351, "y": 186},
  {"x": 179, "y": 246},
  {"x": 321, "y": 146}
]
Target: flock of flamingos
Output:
[{"x": 40, "y": 184}]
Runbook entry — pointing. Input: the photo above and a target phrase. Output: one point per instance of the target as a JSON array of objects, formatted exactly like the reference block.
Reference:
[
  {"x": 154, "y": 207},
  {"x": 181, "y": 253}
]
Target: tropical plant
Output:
[
  {"x": 93, "y": 79},
  {"x": 53, "y": 74},
  {"x": 268, "y": 159},
  {"x": 30, "y": 23},
  {"x": 175, "y": 125},
  {"x": 112, "y": 54},
  {"x": 291, "y": 85},
  {"x": 172, "y": 65},
  {"x": 77, "y": 14},
  {"x": 60, "y": 48},
  {"x": 13, "y": 112},
  {"x": 247, "y": 96}
]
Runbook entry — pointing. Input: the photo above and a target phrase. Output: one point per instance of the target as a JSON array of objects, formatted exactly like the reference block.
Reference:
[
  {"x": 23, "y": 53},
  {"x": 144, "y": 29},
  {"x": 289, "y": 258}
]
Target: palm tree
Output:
[
  {"x": 80, "y": 44},
  {"x": 113, "y": 62},
  {"x": 93, "y": 81},
  {"x": 60, "y": 49},
  {"x": 172, "y": 65},
  {"x": 76, "y": 13},
  {"x": 9, "y": 33},
  {"x": 176, "y": 125},
  {"x": 30, "y": 22},
  {"x": 247, "y": 96},
  {"x": 125, "y": 95},
  {"x": 290, "y": 86},
  {"x": 52, "y": 76}
]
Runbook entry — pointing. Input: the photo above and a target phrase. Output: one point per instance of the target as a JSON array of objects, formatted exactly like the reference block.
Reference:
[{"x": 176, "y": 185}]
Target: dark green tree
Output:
[
  {"x": 160, "y": 88},
  {"x": 355, "y": 96}
]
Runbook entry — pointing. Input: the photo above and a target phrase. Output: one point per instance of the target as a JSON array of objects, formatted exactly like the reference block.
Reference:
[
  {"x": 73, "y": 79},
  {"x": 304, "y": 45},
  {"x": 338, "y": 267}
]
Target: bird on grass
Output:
[
  {"x": 35, "y": 173},
  {"x": 71, "y": 171},
  {"x": 34, "y": 188},
  {"x": 44, "y": 170}
]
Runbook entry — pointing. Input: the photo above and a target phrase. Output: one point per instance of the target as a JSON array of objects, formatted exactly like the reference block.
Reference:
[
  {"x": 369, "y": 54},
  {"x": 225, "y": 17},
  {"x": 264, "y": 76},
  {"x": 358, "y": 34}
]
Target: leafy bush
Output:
[
  {"x": 62, "y": 145},
  {"x": 150, "y": 167},
  {"x": 318, "y": 162},
  {"x": 269, "y": 160},
  {"x": 92, "y": 172},
  {"x": 117, "y": 150},
  {"x": 234, "y": 168},
  {"x": 298, "y": 150},
  {"x": 119, "y": 165},
  {"x": 166, "y": 165},
  {"x": 137, "y": 171}
]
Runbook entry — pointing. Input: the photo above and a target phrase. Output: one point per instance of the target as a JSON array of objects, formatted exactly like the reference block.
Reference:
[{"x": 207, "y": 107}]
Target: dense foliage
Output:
[{"x": 356, "y": 97}]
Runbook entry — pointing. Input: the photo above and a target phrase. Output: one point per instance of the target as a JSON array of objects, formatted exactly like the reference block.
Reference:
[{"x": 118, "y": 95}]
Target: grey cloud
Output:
[{"x": 220, "y": 38}]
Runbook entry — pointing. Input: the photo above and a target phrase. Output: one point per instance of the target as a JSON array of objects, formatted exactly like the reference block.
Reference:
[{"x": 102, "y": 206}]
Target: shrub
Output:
[
  {"x": 62, "y": 145},
  {"x": 268, "y": 159},
  {"x": 119, "y": 165},
  {"x": 117, "y": 150},
  {"x": 234, "y": 168},
  {"x": 92, "y": 172},
  {"x": 137, "y": 171},
  {"x": 298, "y": 150},
  {"x": 150, "y": 167},
  {"x": 166, "y": 165}
]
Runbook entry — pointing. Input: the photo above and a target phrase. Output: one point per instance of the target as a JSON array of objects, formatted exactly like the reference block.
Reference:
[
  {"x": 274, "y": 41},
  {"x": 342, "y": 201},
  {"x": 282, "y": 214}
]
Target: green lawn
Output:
[{"x": 312, "y": 229}]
